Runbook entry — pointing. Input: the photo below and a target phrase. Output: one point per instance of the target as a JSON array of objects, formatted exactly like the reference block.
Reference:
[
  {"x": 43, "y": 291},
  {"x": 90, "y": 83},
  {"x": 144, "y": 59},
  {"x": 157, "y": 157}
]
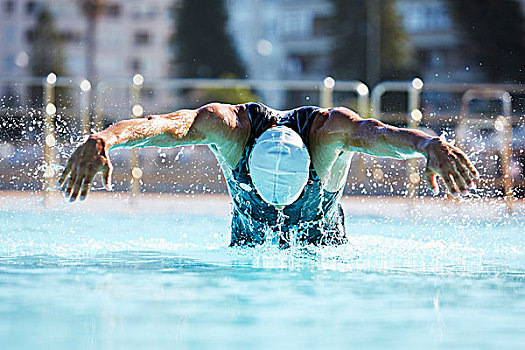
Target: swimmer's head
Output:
[{"x": 279, "y": 166}]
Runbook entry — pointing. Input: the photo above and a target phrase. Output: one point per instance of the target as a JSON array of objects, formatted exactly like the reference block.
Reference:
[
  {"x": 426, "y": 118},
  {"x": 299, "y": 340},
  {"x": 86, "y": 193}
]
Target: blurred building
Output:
[
  {"x": 284, "y": 39},
  {"x": 290, "y": 40},
  {"x": 276, "y": 39},
  {"x": 132, "y": 37},
  {"x": 281, "y": 39},
  {"x": 440, "y": 54}
]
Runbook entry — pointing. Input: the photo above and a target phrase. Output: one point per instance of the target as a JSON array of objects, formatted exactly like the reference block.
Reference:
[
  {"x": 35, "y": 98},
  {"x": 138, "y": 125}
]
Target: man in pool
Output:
[{"x": 285, "y": 170}]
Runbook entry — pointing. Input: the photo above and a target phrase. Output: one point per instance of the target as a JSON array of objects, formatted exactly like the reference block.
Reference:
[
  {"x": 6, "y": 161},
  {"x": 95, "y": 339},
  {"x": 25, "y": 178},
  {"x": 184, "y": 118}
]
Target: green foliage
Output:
[
  {"x": 494, "y": 33},
  {"x": 235, "y": 95},
  {"x": 46, "y": 56},
  {"x": 203, "y": 48},
  {"x": 229, "y": 95},
  {"x": 46, "y": 52},
  {"x": 349, "y": 39},
  {"x": 349, "y": 34},
  {"x": 396, "y": 52}
]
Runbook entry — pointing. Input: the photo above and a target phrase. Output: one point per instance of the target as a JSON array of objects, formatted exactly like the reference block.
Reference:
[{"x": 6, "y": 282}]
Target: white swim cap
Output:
[{"x": 279, "y": 165}]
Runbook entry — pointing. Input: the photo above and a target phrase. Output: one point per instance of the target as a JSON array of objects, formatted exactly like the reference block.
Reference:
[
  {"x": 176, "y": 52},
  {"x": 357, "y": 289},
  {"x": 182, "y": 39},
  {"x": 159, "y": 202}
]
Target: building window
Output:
[
  {"x": 9, "y": 62},
  {"x": 142, "y": 38},
  {"x": 148, "y": 93},
  {"x": 76, "y": 63},
  {"x": 135, "y": 65},
  {"x": 321, "y": 26},
  {"x": 112, "y": 10},
  {"x": 110, "y": 38},
  {"x": 294, "y": 66},
  {"x": 31, "y": 7},
  {"x": 144, "y": 10},
  {"x": 296, "y": 24},
  {"x": 427, "y": 17},
  {"x": 30, "y": 35},
  {"x": 69, "y": 36},
  {"x": 9, "y": 35},
  {"x": 9, "y": 7}
]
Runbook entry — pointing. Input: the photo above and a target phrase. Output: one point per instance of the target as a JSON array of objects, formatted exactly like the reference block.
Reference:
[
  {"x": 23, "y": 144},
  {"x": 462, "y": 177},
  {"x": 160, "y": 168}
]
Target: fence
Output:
[
  {"x": 326, "y": 90},
  {"x": 503, "y": 124}
]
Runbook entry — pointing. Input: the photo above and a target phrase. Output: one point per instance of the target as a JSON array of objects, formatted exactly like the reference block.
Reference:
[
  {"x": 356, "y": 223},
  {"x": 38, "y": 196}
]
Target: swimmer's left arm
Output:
[{"x": 382, "y": 140}]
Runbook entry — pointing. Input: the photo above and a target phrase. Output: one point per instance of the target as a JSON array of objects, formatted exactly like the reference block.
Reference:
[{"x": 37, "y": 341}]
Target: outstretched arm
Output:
[
  {"x": 373, "y": 137},
  {"x": 218, "y": 124}
]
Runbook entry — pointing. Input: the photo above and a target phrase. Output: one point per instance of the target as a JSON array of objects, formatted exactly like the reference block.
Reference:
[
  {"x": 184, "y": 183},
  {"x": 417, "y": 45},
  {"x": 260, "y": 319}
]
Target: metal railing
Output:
[
  {"x": 49, "y": 84},
  {"x": 414, "y": 116},
  {"x": 502, "y": 124},
  {"x": 326, "y": 89}
]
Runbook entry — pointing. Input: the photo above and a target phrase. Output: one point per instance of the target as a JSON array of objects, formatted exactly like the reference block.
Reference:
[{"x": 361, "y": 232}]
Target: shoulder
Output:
[
  {"x": 334, "y": 119},
  {"x": 343, "y": 113},
  {"x": 217, "y": 110},
  {"x": 223, "y": 117},
  {"x": 225, "y": 125}
]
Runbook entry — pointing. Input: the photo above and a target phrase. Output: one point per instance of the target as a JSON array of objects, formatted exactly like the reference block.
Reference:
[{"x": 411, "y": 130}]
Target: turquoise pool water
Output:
[{"x": 126, "y": 281}]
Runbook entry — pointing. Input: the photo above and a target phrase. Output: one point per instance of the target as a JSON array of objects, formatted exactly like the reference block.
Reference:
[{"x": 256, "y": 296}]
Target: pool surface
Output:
[{"x": 93, "y": 279}]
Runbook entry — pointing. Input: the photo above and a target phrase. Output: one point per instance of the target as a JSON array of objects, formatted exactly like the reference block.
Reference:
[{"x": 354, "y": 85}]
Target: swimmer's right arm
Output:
[{"x": 217, "y": 124}]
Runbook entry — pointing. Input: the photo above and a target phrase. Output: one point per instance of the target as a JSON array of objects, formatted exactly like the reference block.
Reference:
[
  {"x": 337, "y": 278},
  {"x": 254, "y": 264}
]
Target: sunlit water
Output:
[{"x": 99, "y": 281}]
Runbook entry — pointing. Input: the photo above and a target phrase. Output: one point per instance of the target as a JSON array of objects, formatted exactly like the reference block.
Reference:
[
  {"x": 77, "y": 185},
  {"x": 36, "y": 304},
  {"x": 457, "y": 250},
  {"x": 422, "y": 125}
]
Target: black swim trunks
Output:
[{"x": 315, "y": 218}]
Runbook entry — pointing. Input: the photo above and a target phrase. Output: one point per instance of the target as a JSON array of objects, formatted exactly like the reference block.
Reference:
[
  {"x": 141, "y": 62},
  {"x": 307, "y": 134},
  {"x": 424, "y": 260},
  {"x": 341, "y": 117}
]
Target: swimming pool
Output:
[{"x": 132, "y": 278}]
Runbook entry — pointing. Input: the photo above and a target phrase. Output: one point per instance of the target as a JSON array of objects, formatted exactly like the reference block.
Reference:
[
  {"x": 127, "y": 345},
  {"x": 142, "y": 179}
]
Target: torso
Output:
[
  {"x": 328, "y": 158},
  {"x": 316, "y": 213}
]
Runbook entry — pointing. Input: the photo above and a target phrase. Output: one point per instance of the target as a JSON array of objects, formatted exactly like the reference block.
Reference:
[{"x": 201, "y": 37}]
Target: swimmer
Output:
[{"x": 277, "y": 164}]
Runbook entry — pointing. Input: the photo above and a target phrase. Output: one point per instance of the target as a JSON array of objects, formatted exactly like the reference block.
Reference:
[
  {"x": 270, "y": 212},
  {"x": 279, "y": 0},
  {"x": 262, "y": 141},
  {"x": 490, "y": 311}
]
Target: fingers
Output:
[
  {"x": 86, "y": 186},
  {"x": 64, "y": 174},
  {"x": 70, "y": 184},
  {"x": 463, "y": 159},
  {"x": 464, "y": 178},
  {"x": 449, "y": 183},
  {"x": 106, "y": 176},
  {"x": 452, "y": 182},
  {"x": 88, "y": 159},
  {"x": 453, "y": 166},
  {"x": 455, "y": 176},
  {"x": 450, "y": 176},
  {"x": 79, "y": 185},
  {"x": 76, "y": 188},
  {"x": 80, "y": 181},
  {"x": 431, "y": 178},
  {"x": 460, "y": 182}
]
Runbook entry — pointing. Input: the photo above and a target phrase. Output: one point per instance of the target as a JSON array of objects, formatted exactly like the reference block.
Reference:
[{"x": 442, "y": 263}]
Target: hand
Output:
[
  {"x": 88, "y": 160},
  {"x": 451, "y": 164}
]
